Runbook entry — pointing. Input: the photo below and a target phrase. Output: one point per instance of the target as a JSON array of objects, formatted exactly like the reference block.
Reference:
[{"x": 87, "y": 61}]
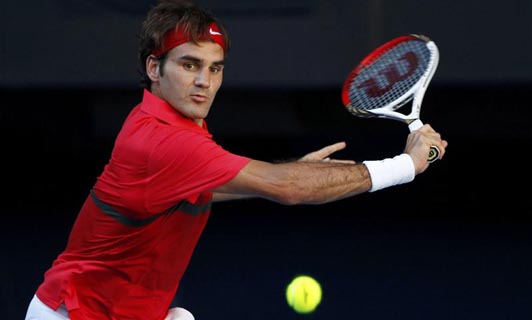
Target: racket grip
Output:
[{"x": 434, "y": 152}]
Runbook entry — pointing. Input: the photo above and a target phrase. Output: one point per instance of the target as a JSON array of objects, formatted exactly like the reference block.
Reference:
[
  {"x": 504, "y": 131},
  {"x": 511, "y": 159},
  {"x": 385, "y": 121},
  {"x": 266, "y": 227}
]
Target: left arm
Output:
[{"x": 320, "y": 155}]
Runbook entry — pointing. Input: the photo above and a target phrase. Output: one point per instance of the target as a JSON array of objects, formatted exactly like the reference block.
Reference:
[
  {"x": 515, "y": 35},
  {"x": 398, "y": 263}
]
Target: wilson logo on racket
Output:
[{"x": 392, "y": 75}]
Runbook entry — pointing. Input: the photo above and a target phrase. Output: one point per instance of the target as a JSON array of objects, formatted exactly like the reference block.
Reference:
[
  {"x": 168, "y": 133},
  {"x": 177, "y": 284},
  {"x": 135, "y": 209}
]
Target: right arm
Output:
[
  {"x": 299, "y": 182},
  {"x": 315, "y": 181}
]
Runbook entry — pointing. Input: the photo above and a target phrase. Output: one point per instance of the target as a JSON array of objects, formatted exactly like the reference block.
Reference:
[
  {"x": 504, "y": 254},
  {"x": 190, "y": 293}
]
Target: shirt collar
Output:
[{"x": 162, "y": 110}]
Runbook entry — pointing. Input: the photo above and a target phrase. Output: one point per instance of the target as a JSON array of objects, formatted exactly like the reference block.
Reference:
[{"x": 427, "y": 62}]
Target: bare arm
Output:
[
  {"x": 322, "y": 155},
  {"x": 316, "y": 179},
  {"x": 300, "y": 182}
]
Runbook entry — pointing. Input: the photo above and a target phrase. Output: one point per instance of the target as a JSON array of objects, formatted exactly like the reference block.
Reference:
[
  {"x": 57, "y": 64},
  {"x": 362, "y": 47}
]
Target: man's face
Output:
[{"x": 190, "y": 78}]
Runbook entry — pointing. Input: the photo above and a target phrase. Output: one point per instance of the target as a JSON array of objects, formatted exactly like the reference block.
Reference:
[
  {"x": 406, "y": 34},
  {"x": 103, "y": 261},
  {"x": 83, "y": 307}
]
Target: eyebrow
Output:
[{"x": 198, "y": 60}]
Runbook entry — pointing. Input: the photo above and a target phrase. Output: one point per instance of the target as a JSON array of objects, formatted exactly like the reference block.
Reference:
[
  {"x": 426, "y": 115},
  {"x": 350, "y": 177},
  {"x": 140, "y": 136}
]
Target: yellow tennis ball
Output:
[{"x": 303, "y": 294}]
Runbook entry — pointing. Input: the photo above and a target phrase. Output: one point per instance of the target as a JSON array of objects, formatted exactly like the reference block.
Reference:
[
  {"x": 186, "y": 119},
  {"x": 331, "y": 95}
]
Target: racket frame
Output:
[{"x": 414, "y": 94}]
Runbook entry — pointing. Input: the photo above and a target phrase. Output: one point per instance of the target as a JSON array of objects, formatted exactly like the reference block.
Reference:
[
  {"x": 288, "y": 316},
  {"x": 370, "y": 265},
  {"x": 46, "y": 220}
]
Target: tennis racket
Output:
[{"x": 394, "y": 74}]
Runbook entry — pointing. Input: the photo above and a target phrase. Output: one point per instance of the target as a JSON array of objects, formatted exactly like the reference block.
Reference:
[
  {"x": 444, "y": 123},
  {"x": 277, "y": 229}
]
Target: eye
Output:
[
  {"x": 216, "y": 69},
  {"x": 189, "y": 66}
]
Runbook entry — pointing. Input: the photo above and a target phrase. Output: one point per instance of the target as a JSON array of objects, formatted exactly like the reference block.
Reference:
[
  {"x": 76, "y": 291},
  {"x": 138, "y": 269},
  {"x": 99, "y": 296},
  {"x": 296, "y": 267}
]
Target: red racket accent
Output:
[
  {"x": 394, "y": 74},
  {"x": 387, "y": 75}
]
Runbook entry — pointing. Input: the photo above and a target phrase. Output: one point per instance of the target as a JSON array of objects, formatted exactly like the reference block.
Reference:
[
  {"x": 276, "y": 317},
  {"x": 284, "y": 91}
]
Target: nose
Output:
[{"x": 203, "y": 78}]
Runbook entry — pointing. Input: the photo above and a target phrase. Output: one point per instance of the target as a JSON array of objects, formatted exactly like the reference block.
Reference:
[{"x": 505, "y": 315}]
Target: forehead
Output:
[{"x": 206, "y": 51}]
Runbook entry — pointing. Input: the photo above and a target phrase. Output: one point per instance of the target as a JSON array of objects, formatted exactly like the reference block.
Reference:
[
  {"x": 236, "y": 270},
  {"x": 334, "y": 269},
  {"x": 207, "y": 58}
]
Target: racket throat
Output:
[{"x": 414, "y": 124}]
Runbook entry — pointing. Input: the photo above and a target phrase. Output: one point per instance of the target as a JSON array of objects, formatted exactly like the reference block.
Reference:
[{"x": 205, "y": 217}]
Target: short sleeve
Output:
[{"x": 185, "y": 164}]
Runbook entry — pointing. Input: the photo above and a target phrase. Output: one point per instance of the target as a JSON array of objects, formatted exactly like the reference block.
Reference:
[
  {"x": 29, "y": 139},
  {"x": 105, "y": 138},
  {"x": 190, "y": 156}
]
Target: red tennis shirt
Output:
[{"x": 135, "y": 233}]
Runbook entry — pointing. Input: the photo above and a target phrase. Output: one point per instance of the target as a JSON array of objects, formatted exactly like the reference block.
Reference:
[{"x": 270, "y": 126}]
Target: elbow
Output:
[
  {"x": 288, "y": 200},
  {"x": 285, "y": 186},
  {"x": 290, "y": 197}
]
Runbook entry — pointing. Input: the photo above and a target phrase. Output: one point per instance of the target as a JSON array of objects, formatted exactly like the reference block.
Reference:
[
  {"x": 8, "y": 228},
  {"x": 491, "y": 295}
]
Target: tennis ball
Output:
[{"x": 303, "y": 294}]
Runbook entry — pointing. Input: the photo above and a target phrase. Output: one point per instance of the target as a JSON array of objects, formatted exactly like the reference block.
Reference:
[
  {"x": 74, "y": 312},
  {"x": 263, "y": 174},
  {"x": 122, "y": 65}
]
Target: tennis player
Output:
[{"x": 135, "y": 233}]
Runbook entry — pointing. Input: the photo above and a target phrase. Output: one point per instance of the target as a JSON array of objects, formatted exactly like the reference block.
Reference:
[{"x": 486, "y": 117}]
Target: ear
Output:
[{"x": 152, "y": 68}]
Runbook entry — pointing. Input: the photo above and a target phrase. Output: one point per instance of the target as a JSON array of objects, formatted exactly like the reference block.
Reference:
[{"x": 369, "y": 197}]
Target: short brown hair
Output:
[{"x": 169, "y": 15}]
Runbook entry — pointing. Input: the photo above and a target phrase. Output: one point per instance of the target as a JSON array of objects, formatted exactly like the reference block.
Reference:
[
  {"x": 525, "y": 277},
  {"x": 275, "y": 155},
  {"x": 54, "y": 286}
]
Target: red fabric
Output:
[
  {"x": 110, "y": 270},
  {"x": 159, "y": 158},
  {"x": 174, "y": 38}
]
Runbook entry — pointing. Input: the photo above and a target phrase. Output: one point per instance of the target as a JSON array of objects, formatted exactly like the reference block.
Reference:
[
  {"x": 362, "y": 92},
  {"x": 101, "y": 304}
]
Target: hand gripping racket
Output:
[{"x": 390, "y": 77}]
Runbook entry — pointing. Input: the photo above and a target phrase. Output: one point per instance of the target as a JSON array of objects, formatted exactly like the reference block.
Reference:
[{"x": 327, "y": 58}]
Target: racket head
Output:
[{"x": 389, "y": 77}]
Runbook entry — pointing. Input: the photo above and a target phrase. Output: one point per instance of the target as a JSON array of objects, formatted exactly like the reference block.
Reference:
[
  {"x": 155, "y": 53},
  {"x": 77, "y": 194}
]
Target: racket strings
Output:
[{"x": 388, "y": 79}]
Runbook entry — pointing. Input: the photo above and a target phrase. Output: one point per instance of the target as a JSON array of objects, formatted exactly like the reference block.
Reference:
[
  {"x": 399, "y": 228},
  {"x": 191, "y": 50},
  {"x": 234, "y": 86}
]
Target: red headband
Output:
[{"x": 175, "y": 38}]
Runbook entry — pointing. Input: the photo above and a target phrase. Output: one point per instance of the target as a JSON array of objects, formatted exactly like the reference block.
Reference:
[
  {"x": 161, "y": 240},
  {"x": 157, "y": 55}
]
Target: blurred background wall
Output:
[
  {"x": 277, "y": 43},
  {"x": 454, "y": 244}
]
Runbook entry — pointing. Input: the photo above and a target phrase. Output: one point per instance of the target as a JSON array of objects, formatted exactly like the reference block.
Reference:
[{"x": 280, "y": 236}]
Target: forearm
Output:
[
  {"x": 299, "y": 182},
  {"x": 322, "y": 182},
  {"x": 317, "y": 179}
]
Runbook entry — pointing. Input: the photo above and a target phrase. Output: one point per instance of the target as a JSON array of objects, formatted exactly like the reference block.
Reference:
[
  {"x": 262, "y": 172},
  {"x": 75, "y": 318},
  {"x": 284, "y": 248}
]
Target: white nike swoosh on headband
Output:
[{"x": 214, "y": 33}]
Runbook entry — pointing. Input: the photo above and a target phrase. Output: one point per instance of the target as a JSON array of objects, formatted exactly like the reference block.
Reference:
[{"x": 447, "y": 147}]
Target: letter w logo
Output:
[{"x": 392, "y": 74}]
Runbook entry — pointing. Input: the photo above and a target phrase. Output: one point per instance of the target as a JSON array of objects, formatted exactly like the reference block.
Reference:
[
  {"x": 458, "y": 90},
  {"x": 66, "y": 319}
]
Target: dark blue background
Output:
[{"x": 454, "y": 244}]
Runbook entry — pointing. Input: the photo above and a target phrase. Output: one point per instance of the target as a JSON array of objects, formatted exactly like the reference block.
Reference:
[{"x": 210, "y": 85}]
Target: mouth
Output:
[{"x": 199, "y": 98}]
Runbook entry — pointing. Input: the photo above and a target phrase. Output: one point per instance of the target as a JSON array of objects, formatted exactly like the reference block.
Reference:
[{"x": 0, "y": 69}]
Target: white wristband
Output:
[{"x": 390, "y": 172}]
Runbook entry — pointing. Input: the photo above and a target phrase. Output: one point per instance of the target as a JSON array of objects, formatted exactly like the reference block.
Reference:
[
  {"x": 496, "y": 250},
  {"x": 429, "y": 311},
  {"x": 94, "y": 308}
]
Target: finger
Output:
[
  {"x": 342, "y": 161},
  {"x": 426, "y": 128},
  {"x": 328, "y": 150}
]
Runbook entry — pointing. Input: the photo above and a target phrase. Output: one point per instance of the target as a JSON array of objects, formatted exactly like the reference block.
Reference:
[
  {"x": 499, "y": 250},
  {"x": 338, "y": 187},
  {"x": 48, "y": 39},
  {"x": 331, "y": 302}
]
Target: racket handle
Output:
[{"x": 434, "y": 152}]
